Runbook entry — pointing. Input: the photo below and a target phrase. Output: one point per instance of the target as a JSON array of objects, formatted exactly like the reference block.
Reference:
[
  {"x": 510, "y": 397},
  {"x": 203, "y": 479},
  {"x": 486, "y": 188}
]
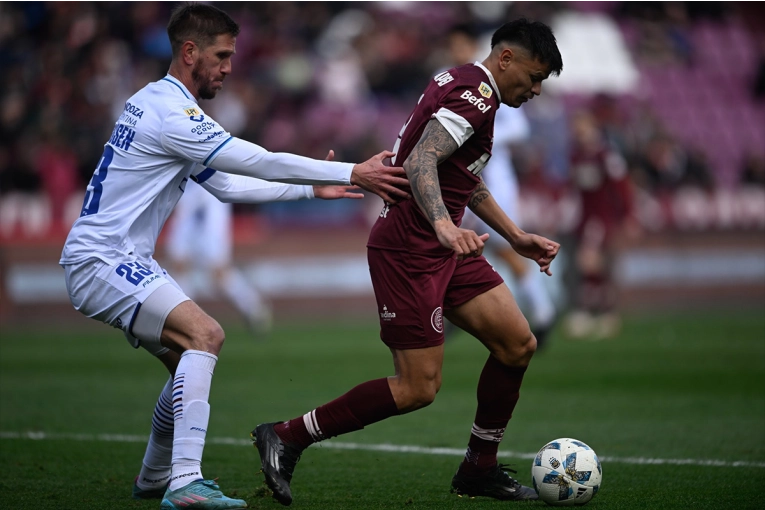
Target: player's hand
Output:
[
  {"x": 389, "y": 183},
  {"x": 537, "y": 248},
  {"x": 335, "y": 192},
  {"x": 465, "y": 243}
]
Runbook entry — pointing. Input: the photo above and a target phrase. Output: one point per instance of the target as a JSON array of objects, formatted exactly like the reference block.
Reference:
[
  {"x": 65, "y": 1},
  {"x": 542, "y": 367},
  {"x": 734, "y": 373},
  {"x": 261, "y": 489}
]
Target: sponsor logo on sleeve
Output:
[
  {"x": 443, "y": 78},
  {"x": 194, "y": 114},
  {"x": 203, "y": 127},
  {"x": 477, "y": 101},
  {"x": 485, "y": 90},
  {"x": 209, "y": 130}
]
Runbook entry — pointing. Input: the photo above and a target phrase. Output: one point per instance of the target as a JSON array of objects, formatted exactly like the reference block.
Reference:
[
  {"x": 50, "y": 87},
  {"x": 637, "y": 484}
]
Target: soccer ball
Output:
[{"x": 566, "y": 472}]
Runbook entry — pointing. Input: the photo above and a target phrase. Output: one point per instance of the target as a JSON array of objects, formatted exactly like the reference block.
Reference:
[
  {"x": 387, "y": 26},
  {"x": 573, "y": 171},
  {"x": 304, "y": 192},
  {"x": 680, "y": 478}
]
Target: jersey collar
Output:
[
  {"x": 491, "y": 79},
  {"x": 181, "y": 86}
]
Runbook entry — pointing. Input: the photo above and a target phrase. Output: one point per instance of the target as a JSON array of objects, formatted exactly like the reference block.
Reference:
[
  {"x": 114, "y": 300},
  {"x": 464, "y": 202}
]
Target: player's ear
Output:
[
  {"x": 506, "y": 57},
  {"x": 188, "y": 52}
]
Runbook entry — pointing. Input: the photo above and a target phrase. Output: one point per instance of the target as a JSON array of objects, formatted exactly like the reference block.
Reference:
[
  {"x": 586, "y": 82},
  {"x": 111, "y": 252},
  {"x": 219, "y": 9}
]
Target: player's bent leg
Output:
[
  {"x": 198, "y": 338},
  {"x": 494, "y": 318},
  {"x": 418, "y": 377},
  {"x": 188, "y": 327},
  {"x": 280, "y": 445}
]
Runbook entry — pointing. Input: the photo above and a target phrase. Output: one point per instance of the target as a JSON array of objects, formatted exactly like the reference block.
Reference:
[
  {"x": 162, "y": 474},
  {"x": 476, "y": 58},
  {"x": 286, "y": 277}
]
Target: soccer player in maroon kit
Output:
[{"x": 424, "y": 266}]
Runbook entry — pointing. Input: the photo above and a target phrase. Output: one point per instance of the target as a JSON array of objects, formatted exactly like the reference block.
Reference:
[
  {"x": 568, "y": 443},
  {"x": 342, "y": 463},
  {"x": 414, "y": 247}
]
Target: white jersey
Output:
[{"x": 161, "y": 140}]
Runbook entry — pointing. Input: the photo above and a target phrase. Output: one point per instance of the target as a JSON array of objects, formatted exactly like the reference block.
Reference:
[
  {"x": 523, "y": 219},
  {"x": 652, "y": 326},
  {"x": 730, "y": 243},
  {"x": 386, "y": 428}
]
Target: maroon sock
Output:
[
  {"x": 365, "y": 404},
  {"x": 498, "y": 392}
]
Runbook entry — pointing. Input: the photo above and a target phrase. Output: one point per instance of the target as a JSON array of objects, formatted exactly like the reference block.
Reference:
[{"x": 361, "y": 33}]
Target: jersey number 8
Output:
[{"x": 95, "y": 186}]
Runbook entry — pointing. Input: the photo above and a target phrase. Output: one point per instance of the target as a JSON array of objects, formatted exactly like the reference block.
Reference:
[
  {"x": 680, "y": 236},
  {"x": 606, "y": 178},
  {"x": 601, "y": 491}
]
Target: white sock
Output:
[
  {"x": 191, "y": 412},
  {"x": 155, "y": 471},
  {"x": 242, "y": 295},
  {"x": 542, "y": 307}
]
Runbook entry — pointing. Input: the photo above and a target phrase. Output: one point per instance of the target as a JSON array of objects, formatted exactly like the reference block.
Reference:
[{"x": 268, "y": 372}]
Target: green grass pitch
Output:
[{"x": 682, "y": 388}]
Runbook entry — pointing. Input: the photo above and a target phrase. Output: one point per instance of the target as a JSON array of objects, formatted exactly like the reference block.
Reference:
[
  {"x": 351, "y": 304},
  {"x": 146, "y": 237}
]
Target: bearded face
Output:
[
  {"x": 206, "y": 84},
  {"x": 213, "y": 65}
]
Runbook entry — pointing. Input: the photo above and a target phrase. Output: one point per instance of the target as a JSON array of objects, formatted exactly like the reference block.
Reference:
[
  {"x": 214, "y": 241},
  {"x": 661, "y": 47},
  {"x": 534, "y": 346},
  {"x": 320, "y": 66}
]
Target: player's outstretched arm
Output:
[
  {"x": 241, "y": 189},
  {"x": 434, "y": 147},
  {"x": 335, "y": 192},
  {"x": 249, "y": 190},
  {"x": 240, "y": 157},
  {"x": 537, "y": 248}
]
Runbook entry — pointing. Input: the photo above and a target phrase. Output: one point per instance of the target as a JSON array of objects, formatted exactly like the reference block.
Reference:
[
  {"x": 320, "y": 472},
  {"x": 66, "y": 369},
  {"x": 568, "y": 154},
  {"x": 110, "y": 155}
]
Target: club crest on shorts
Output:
[{"x": 437, "y": 320}]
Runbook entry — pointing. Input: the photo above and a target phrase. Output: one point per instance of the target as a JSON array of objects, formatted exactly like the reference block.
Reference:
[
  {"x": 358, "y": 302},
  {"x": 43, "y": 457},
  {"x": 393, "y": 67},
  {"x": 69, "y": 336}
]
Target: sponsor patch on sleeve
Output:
[
  {"x": 485, "y": 90},
  {"x": 191, "y": 112},
  {"x": 443, "y": 78}
]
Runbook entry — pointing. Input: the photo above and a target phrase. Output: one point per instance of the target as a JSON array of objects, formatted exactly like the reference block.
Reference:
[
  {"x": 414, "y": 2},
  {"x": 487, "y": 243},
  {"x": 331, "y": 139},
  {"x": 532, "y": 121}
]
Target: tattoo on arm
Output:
[
  {"x": 480, "y": 193},
  {"x": 434, "y": 147}
]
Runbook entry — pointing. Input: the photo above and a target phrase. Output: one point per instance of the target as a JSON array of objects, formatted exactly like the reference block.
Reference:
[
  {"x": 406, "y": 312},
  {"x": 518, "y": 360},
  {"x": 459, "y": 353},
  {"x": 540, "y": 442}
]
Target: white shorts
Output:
[
  {"x": 200, "y": 230},
  {"x": 134, "y": 296}
]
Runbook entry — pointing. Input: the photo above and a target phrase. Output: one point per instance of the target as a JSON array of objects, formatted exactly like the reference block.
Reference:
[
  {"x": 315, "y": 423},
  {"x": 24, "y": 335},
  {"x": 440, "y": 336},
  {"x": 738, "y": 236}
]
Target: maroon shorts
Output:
[{"x": 412, "y": 291}]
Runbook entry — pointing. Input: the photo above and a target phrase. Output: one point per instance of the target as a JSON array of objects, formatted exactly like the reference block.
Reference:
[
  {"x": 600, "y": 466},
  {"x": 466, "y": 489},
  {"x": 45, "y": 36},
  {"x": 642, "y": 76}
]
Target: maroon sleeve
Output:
[{"x": 466, "y": 103}]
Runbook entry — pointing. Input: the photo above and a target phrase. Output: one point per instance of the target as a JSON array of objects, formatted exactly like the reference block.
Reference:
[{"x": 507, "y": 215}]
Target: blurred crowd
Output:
[{"x": 309, "y": 77}]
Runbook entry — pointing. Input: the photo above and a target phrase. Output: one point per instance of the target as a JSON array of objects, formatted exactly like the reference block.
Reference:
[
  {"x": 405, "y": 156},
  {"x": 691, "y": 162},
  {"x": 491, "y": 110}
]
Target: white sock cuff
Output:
[
  {"x": 493, "y": 435},
  {"x": 309, "y": 419},
  {"x": 188, "y": 450},
  {"x": 200, "y": 359}
]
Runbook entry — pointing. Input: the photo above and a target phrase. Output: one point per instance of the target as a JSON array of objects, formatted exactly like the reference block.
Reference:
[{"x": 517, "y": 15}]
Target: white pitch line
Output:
[{"x": 390, "y": 448}]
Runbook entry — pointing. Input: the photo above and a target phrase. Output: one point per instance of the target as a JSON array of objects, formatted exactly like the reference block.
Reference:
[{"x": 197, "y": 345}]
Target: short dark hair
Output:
[
  {"x": 534, "y": 36},
  {"x": 199, "y": 23}
]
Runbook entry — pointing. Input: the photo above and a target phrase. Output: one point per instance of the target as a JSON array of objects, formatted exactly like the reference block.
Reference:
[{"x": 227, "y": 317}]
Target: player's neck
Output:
[
  {"x": 491, "y": 65},
  {"x": 184, "y": 76}
]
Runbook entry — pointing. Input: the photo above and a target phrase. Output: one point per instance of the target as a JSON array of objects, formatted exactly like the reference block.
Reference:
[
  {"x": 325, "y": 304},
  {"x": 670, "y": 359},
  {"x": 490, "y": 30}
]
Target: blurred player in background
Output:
[
  {"x": 162, "y": 139},
  {"x": 200, "y": 252},
  {"x": 510, "y": 127},
  {"x": 599, "y": 174},
  {"x": 424, "y": 266}
]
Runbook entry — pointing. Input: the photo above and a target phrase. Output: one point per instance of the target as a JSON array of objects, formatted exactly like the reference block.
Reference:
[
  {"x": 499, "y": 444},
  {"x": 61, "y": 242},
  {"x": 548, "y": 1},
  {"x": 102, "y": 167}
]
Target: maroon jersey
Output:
[{"x": 464, "y": 100}]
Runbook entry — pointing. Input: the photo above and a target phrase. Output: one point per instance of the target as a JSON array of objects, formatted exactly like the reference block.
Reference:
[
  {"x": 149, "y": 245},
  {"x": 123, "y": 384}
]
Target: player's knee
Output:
[
  {"x": 517, "y": 351},
  {"x": 424, "y": 395},
  {"x": 531, "y": 347},
  {"x": 420, "y": 394},
  {"x": 210, "y": 338}
]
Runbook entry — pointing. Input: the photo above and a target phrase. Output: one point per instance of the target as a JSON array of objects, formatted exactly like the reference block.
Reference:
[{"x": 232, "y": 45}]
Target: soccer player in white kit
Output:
[{"x": 160, "y": 141}]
